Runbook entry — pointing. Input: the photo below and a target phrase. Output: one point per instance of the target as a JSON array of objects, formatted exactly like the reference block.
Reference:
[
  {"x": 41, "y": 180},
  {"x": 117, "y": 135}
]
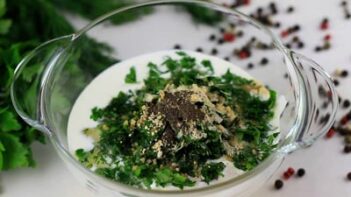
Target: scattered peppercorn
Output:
[
  {"x": 344, "y": 3},
  {"x": 301, "y": 172},
  {"x": 199, "y": 49},
  {"x": 177, "y": 46},
  {"x": 346, "y": 103},
  {"x": 300, "y": 45},
  {"x": 212, "y": 37},
  {"x": 291, "y": 171},
  {"x": 327, "y": 37},
  {"x": 295, "y": 39},
  {"x": 336, "y": 82},
  {"x": 220, "y": 41},
  {"x": 290, "y": 9},
  {"x": 227, "y": 58},
  {"x": 318, "y": 48},
  {"x": 286, "y": 175},
  {"x": 277, "y": 25},
  {"x": 240, "y": 33},
  {"x": 296, "y": 28},
  {"x": 324, "y": 24},
  {"x": 347, "y": 149},
  {"x": 214, "y": 51},
  {"x": 278, "y": 184},
  {"x": 250, "y": 65},
  {"x": 349, "y": 176},
  {"x": 330, "y": 133},
  {"x": 228, "y": 37},
  {"x": 264, "y": 61},
  {"x": 344, "y": 73}
]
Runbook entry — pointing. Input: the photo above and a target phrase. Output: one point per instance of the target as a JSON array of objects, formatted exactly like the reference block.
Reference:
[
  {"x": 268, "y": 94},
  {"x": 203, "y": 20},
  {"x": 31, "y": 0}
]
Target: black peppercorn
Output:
[
  {"x": 240, "y": 33},
  {"x": 222, "y": 30},
  {"x": 290, "y": 9},
  {"x": 300, "y": 172},
  {"x": 264, "y": 61},
  {"x": 278, "y": 184},
  {"x": 344, "y": 73},
  {"x": 259, "y": 11},
  {"x": 346, "y": 103},
  {"x": 277, "y": 24},
  {"x": 199, "y": 49},
  {"x": 300, "y": 45},
  {"x": 250, "y": 66},
  {"x": 295, "y": 39},
  {"x": 214, "y": 51},
  {"x": 227, "y": 58},
  {"x": 344, "y": 3},
  {"x": 318, "y": 48},
  {"x": 349, "y": 176},
  {"x": 220, "y": 41},
  {"x": 336, "y": 82},
  {"x": 288, "y": 46},
  {"x": 177, "y": 46},
  {"x": 296, "y": 28},
  {"x": 347, "y": 149},
  {"x": 212, "y": 37}
]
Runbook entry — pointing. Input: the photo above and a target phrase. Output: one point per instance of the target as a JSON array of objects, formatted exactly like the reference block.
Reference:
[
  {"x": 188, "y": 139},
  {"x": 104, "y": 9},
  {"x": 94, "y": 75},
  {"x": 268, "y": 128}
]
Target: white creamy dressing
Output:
[{"x": 107, "y": 85}]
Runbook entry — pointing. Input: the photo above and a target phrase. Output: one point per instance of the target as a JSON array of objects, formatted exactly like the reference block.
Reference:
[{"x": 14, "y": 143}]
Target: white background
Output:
[{"x": 325, "y": 163}]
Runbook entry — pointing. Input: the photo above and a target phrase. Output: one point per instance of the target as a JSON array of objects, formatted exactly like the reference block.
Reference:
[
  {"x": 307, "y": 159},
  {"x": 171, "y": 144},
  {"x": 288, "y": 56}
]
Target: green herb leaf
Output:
[
  {"x": 8, "y": 122},
  {"x": 15, "y": 154},
  {"x": 131, "y": 77},
  {"x": 5, "y": 25},
  {"x": 212, "y": 171}
]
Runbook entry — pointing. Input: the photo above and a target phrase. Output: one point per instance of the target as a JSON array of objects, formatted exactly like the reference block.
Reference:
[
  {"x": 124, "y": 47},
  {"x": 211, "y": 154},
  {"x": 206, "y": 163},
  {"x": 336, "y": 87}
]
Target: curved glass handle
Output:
[
  {"x": 27, "y": 83},
  {"x": 320, "y": 101}
]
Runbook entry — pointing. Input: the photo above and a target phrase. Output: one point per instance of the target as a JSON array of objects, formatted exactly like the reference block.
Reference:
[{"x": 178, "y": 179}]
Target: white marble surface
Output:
[{"x": 326, "y": 166}]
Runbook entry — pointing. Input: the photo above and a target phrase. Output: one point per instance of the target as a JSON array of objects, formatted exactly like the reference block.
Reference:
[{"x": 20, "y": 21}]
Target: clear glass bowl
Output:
[{"x": 44, "y": 98}]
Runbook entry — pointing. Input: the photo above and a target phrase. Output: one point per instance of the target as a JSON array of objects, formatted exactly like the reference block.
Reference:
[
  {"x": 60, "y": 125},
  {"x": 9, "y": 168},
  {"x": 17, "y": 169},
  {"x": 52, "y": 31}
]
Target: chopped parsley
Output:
[
  {"x": 131, "y": 76},
  {"x": 171, "y": 131}
]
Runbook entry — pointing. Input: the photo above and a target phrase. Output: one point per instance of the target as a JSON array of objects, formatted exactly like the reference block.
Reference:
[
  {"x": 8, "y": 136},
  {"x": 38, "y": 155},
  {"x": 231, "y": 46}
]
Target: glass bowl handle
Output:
[
  {"x": 319, "y": 100},
  {"x": 28, "y": 80}
]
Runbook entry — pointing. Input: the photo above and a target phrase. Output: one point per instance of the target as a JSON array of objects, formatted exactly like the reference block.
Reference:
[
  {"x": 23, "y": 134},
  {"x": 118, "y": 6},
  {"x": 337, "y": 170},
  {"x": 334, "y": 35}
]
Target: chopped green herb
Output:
[
  {"x": 169, "y": 131},
  {"x": 131, "y": 76},
  {"x": 212, "y": 171}
]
